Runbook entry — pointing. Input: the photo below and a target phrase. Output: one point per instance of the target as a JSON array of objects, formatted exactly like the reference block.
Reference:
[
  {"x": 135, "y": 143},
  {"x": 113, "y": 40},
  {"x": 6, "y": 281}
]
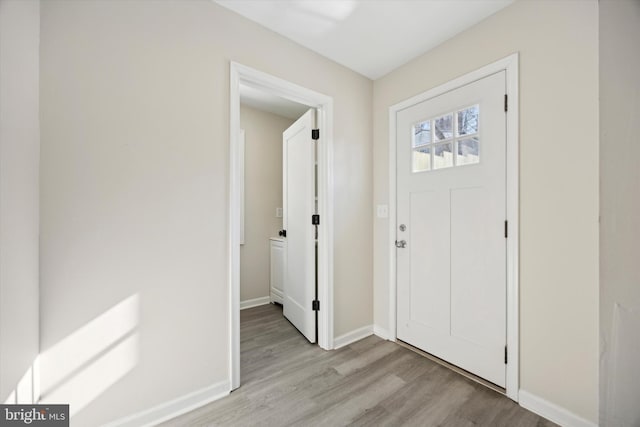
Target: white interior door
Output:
[
  {"x": 451, "y": 211},
  {"x": 299, "y": 205}
]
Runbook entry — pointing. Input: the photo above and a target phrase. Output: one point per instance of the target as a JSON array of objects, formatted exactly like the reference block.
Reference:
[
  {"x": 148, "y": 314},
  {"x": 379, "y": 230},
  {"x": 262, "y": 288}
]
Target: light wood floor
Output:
[{"x": 289, "y": 382}]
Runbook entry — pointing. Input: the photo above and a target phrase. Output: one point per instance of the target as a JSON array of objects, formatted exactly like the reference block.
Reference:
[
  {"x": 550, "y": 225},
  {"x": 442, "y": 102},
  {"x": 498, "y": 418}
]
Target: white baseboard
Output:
[
  {"x": 353, "y": 336},
  {"x": 254, "y": 302},
  {"x": 173, "y": 408},
  {"x": 551, "y": 411},
  {"x": 381, "y": 332}
]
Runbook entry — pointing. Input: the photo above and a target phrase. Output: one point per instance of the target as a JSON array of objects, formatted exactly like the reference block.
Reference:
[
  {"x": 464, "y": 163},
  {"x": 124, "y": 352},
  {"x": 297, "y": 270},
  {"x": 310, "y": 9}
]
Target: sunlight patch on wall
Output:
[
  {"x": 11, "y": 400},
  {"x": 86, "y": 363},
  {"x": 28, "y": 389},
  {"x": 89, "y": 383}
]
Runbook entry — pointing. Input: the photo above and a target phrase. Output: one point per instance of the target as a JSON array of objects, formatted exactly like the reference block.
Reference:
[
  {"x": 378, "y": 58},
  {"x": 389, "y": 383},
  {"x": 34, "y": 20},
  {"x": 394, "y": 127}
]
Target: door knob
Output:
[{"x": 401, "y": 244}]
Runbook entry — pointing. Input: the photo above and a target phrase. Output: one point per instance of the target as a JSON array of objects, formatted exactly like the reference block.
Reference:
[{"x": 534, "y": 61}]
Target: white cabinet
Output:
[{"x": 276, "y": 279}]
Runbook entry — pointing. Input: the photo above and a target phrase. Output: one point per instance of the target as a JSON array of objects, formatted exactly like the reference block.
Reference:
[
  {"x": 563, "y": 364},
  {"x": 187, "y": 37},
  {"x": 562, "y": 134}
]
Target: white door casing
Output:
[
  {"x": 324, "y": 105},
  {"x": 298, "y": 197},
  {"x": 509, "y": 66}
]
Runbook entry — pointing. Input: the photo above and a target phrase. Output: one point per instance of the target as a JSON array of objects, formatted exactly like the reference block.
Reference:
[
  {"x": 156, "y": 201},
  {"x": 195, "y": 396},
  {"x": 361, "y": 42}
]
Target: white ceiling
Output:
[
  {"x": 265, "y": 101},
  {"x": 372, "y": 37}
]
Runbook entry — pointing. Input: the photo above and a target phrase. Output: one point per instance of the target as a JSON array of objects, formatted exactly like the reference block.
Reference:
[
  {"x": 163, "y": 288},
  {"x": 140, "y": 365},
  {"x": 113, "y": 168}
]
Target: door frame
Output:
[
  {"x": 324, "y": 105},
  {"x": 510, "y": 66}
]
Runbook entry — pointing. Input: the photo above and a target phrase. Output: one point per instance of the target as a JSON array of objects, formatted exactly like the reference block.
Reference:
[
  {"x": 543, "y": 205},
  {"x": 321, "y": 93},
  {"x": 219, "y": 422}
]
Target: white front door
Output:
[
  {"x": 451, "y": 212},
  {"x": 299, "y": 205}
]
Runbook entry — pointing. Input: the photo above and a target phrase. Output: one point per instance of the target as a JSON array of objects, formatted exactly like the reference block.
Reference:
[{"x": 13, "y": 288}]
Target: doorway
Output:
[
  {"x": 240, "y": 74},
  {"x": 454, "y": 220}
]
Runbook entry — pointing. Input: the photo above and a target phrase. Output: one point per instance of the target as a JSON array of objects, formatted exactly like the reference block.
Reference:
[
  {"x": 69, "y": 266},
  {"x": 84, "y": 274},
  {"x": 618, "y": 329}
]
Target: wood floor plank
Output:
[{"x": 288, "y": 382}]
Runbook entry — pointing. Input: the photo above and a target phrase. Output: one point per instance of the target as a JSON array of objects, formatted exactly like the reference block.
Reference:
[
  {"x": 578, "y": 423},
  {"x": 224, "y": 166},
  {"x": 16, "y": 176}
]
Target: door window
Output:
[{"x": 448, "y": 140}]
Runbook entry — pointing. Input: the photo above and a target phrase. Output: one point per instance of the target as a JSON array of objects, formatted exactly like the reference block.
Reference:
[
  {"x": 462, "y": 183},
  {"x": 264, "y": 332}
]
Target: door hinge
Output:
[
  {"x": 315, "y": 305},
  {"x": 506, "y": 102},
  {"x": 506, "y": 229},
  {"x": 315, "y": 134},
  {"x": 315, "y": 219},
  {"x": 282, "y": 233},
  {"x": 505, "y": 355}
]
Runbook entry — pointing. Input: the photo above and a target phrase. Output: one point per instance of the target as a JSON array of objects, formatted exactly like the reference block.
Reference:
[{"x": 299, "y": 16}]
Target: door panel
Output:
[
  {"x": 451, "y": 196},
  {"x": 299, "y": 206},
  {"x": 472, "y": 306},
  {"x": 429, "y": 304}
]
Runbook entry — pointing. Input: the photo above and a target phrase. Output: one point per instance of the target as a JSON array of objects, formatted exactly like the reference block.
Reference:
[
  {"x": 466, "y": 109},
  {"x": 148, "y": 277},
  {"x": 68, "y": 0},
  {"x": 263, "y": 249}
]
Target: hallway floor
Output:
[{"x": 288, "y": 382}]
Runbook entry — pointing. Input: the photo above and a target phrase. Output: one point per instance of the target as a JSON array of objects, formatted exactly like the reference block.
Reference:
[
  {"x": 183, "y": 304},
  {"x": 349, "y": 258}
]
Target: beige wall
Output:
[
  {"x": 262, "y": 195},
  {"x": 134, "y": 109},
  {"x": 558, "y": 45},
  {"x": 619, "y": 207},
  {"x": 19, "y": 158}
]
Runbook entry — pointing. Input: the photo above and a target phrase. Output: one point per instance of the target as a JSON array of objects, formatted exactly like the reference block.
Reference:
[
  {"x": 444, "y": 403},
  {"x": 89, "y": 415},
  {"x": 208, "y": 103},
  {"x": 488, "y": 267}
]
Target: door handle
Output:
[{"x": 401, "y": 243}]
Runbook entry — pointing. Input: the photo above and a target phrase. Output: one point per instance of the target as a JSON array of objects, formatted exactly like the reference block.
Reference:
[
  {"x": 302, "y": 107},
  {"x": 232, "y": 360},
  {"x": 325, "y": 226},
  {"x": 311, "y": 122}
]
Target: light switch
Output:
[
  {"x": 278, "y": 212},
  {"x": 382, "y": 211}
]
